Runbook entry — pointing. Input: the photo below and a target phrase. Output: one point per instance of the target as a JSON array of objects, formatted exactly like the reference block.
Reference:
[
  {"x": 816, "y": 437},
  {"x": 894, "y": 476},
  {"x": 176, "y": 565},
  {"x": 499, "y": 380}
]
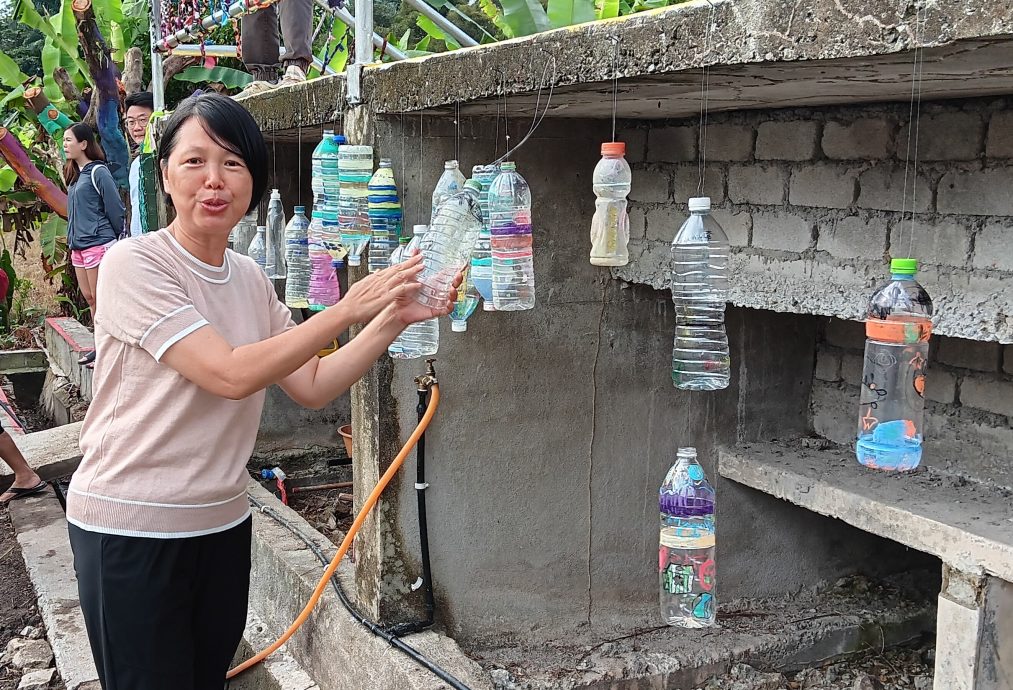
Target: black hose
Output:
[{"x": 391, "y": 638}]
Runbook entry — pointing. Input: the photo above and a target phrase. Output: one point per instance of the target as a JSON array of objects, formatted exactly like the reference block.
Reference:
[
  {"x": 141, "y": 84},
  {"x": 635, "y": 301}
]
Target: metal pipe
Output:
[
  {"x": 157, "y": 76},
  {"x": 363, "y": 28},
  {"x": 321, "y": 487},
  {"x": 189, "y": 49},
  {"x": 445, "y": 24}
]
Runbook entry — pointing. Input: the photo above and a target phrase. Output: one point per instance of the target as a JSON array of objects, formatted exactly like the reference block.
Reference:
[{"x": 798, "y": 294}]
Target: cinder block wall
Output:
[{"x": 968, "y": 399}]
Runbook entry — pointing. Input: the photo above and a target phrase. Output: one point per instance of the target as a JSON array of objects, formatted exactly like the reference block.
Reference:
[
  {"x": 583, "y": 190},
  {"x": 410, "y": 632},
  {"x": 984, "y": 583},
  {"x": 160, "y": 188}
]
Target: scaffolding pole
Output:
[{"x": 157, "y": 77}]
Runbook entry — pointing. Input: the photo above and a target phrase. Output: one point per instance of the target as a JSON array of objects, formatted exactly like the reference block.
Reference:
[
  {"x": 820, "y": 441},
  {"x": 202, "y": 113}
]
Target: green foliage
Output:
[
  {"x": 567, "y": 12},
  {"x": 226, "y": 76}
]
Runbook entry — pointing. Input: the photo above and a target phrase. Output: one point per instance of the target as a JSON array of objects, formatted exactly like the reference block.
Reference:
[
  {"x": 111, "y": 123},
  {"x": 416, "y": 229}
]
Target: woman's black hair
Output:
[
  {"x": 230, "y": 125},
  {"x": 93, "y": 150}
]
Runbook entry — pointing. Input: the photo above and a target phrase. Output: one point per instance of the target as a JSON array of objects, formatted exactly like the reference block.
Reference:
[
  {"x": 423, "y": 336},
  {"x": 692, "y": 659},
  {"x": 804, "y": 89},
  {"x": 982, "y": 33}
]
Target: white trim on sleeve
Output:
[
  {"x": 163, "y": 319},
  {"x": 179, "y": 336}
]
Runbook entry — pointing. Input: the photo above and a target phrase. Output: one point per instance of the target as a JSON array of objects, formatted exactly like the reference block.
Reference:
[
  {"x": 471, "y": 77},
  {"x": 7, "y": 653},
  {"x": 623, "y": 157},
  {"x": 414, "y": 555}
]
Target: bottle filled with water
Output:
[
  {"x": 244, "y": 232},
  {"x": 449, "y": 184},
  {"x": 274, "y": 265},
  {"x": 464, "y": 307},
  {"x": 384, "y": 216},
  {"x": 330, "y": 184},
  {"x": 447, "y": 247},
  {"x": 324, "y": 290},
  {"x": 423, "y": 338},
  {"x": 317, "y": 169},
  {"x": 892, "y": 403},
  {"x": 513, "y": 271},
  {"x": 610, "y": 227},
  {"x": 481, "y": 258},
  {"x": 356, "y": 167},
  {"x": 258, "y": 247},
  {"x": 686, "y": 571},
  {"x": 297, "y": 260},
  {"x": 700, "y": 359},
  {"x": 396, "y": 256}
]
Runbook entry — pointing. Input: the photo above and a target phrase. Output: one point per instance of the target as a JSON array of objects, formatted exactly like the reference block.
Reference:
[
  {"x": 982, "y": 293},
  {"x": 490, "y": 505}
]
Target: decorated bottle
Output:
[
  {"x": 384, "y": 216},
  {"x": 513, "y": 272},
  {"x": 610, "y": 226},
  {"x": 356, "y": 167},
  {"x": 481, "y": 258}
]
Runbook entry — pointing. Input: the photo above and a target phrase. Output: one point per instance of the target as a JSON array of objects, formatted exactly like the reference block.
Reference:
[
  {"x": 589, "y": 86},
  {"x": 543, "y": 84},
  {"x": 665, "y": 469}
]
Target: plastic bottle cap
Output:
[
  {"x": 275, "y": 194},
  {"x": 385, "y": 163},
  {"x": 474, "y": 185},
  {"x": 507, "y": 165},
  {"x": 458, "y": 326},
  {"x": 688, "y": 452},
  {"x": 420, "y": 229},
  {"x": 700, "y": 203},
  {"x": 450, "y": 165},
  {"x": 340, "y": 138},
  {"x": 328, "y": 132},
  {"x": 904, "y": 266},
  {"x": 261, "y": 228},
  {"x": 300, "y": 209},
  {"x": 613, "y": 148}
]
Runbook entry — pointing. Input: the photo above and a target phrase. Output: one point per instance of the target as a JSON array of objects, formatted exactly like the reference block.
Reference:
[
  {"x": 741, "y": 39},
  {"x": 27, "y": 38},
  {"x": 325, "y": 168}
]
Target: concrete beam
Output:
[
  {"x": 52, "y": 453},
  {"x": 22, "y": 361},
  {"x": 966, "y": 525}
]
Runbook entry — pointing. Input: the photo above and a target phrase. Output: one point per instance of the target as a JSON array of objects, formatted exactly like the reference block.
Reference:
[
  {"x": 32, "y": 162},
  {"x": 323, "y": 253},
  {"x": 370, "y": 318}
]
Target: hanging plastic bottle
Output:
[
  {"x": 324, "y": 290},
  {"x": 481, "y": 258},
  {"x": 275, "y": 263},
  {"x": 395, "y": 350},
  {"x": 686, "y": 572},
  {"x": 513, "y": 271},
  {"x": 329, "y": 176},
  {"x": 610, "y": 227},
  {"x": 258, "y": 247},
  {"x": 384, "y": 216},
  {"x": 449, "y": 184},
  {"x": 892, "y": 406},
  {"x": 317, "y": 176},
  {"x": 356, "y": 168},
  {"x": 464, "y": 307},
  {"x": 423, "y": 338},
  {"x": 447, "y": 247},
  {"x": 244, "y": 233},
  {"x": 297, "y": 259},
  {"x": 700, "y": 359}
]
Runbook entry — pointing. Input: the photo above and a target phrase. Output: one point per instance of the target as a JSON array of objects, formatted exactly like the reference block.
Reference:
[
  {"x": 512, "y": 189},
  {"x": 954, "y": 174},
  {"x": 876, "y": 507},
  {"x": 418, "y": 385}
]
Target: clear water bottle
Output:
[
  {"x": 274, "y": 265},
  {"x": 396, "y": 256},
  {"x": 258, "y": 247},
  {"x": 892, "y": 406},
  {"x": 324, "y": 290},
  {"x": 423, "y": 338},
  {"x": 464, "y": 307},
  {"x": 686, "y": 572},
  {"x": 317, "y": 174},
  {"x": 447, "y": 247},
  {"x": 610, "y": 227},
  {"x": 449, "y": 184},
  {"x": 700, "y": 360},
  {"x": 513, "y": 271},
  {"x": 481, "y": 258},
  {"x": 384, "y": 216},
  {"x": 297, "y": 260},
  {"x": 244, "y": 232},
  {"x": 329, "y": 176},
  {"x": 353, "y": 203}
]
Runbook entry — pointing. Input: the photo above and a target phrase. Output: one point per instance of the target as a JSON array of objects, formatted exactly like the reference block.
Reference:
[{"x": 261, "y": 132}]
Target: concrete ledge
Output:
[
  {"x": 966, "y": 525},
  {"x": 52, "y": 453},
  {"x": 334, "y": 649},
  {"x": 66, "y": 341},
  {"x": 277, "y": 672},
  {"x": 22, "y": 361},
  {"x": 42, "y": 533}
]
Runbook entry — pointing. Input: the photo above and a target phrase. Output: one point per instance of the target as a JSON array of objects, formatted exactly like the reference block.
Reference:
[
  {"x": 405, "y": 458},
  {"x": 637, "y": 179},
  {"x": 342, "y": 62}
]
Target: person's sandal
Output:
[
  {"x": 23, "y": 493},
  {"x": 88, "y": 358}
]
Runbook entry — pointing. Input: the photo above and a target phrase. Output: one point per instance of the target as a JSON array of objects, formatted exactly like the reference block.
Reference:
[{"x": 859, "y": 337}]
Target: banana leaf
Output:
[
  {"x": 451, "y": 7},
  {"x": 11, "y": 75},
  {"x": 568, "y": 12},
  {"x": 609, "y": 9},
  {"x": 491, "y": 10},
  {"x": 228, "y": 77},
  {"x": 7, "y": 179},
  {"x": 26, "y": 12},
  {"x": 525, "y": 17},
  {"x": 429, "y": 26}
]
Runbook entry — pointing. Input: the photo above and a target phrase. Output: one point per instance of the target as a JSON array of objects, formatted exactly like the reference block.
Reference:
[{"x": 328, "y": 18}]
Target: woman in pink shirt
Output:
[{"x": 189, "y": 334}]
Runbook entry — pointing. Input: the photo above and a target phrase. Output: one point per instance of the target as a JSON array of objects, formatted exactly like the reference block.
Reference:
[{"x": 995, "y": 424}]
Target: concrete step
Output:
[{"x": 51, "y": 452}]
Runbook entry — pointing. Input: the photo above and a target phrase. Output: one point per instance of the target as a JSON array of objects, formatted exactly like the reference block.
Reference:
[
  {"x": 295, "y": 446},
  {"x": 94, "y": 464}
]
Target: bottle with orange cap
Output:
[
  {"x": 610, "y": 227},
  {"x": 892, "y": 403}
]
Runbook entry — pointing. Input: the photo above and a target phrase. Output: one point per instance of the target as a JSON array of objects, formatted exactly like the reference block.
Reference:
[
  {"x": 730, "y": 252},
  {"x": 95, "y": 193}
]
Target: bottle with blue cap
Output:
[
  {"x": 686, "y": 570},
  {"x": 892, "y": 403}
]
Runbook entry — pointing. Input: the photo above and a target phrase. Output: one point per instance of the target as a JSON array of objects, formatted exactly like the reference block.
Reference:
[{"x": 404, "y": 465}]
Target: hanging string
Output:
[
  {"x": 418, "y": 200},
  {"x": 457, "y": 131},
  {"x": 704, "y": 96},
  {"x": 537, "y": 118},
  {"x": 916, "y": 75},
  {"x": 615, "y": 81},
  {"x": 274, "y": 158},
  {"x": 506, "y": 116},
  {"x": 299, "y": 158}
]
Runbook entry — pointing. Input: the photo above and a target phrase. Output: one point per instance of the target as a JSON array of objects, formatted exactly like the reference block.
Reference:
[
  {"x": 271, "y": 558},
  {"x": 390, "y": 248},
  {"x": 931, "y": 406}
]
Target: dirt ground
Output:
[{"x": 43, "y": 292}]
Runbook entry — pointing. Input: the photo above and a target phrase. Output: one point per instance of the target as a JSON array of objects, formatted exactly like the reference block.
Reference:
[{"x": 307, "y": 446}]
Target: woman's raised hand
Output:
[
  {"x": 408, "y": 310},
  {"x": 369, "y": 296}
]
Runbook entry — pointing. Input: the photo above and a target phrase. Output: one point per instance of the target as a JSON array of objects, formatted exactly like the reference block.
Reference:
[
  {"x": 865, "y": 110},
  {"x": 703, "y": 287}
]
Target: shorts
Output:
[{"x": 90, "y": 257}]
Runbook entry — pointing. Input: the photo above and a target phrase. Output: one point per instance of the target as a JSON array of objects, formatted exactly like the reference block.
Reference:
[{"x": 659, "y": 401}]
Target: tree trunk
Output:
[
  {"x": 19, "y": 160},
  {"x": 69, "y": 91},
  {"x": 133, "y": 71},
  {"x": 51, "y": 119},
  {"x": 173, "y": 65},
  {"x": 105, "y": 100}
]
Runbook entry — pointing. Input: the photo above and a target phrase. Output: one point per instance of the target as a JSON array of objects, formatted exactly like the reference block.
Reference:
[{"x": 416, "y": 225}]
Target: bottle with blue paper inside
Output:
[
  {"x": 384, "y": 216},
  {"x": 481, "y": 258},
  {"x": 447, "y": 247},
  {"x": 324, "y": 290},
  {"x": 700, "y": 357},
  {"x": 892, "y": 404},
  {"x": 686, "y": 568},
  {"x": 420, "y": 339},
  {"x": 513, "y": 272},
  {"x": 355, "y": 169}
]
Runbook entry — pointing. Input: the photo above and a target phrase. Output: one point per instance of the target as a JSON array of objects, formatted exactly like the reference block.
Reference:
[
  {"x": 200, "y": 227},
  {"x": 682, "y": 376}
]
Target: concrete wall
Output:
[
  {"x": 558, "y": 424},
  {"x": 969, "y": 399},
  {"x": 813, "y": 203}
]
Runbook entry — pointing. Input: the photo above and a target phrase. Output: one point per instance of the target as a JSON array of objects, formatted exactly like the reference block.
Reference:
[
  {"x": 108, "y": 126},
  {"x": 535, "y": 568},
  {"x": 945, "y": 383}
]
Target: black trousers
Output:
[{"x": 163, "y": 614}]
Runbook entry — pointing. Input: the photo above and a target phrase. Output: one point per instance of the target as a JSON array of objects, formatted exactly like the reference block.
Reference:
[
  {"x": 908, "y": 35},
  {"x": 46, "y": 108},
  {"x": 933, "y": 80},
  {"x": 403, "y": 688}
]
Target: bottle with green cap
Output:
[
  {"x": 447, "y": 247},
  {"x": 892, "y": 404}
]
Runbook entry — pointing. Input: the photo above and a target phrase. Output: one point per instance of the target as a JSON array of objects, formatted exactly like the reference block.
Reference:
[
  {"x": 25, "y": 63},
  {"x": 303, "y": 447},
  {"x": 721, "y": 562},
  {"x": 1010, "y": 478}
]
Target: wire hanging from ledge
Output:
[
  {"x": 914, "y": 126},
  {"x": 704, "y": 104},
  {"x": 615, "y": 81},
  {"x": 537, "y": 118}
]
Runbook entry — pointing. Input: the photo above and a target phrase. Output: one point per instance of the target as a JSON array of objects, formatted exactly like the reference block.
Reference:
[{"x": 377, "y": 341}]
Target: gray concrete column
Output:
[{"x": 974, "y": 642}]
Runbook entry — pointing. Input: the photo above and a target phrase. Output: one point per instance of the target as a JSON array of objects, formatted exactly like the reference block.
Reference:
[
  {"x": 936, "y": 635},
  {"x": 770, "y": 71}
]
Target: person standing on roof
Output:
[
  {"x": 262, "y": 52},
  {"x": 95, "y": 212}
]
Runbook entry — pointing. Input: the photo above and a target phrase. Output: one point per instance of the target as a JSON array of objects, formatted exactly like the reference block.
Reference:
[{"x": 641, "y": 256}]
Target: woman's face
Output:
[
  {"x": 72, "y": 148},
  {"x": 210, "y": 186}
]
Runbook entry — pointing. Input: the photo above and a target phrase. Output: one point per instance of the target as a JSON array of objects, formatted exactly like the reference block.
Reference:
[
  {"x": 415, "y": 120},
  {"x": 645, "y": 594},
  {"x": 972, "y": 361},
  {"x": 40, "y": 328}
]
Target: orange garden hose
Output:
[{"x": 374, "y": 496}]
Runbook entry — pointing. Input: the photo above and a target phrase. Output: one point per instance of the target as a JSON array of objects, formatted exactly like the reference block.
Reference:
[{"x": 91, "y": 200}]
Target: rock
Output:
[
  {"x": 32, "y": 633},
  {"x": 923, "y": 683},
  {"x": 37, "y": 680},
  {"x": 500, "y": 677},
  {"x": 865, "y": 682},
  {"x": 32, "y": 654}
]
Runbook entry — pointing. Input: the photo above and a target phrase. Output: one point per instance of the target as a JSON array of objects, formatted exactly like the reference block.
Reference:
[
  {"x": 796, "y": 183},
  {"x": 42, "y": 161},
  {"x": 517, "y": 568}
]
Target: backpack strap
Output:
[{"x": 91, "y": 174}]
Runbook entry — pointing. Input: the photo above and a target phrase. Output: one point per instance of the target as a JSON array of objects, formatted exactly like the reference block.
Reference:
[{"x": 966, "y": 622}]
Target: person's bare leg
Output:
[
  {"x": 91, "y": 275},
  {"x": 85, "y": 286},
  {"x": 24, "y": 476}
]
